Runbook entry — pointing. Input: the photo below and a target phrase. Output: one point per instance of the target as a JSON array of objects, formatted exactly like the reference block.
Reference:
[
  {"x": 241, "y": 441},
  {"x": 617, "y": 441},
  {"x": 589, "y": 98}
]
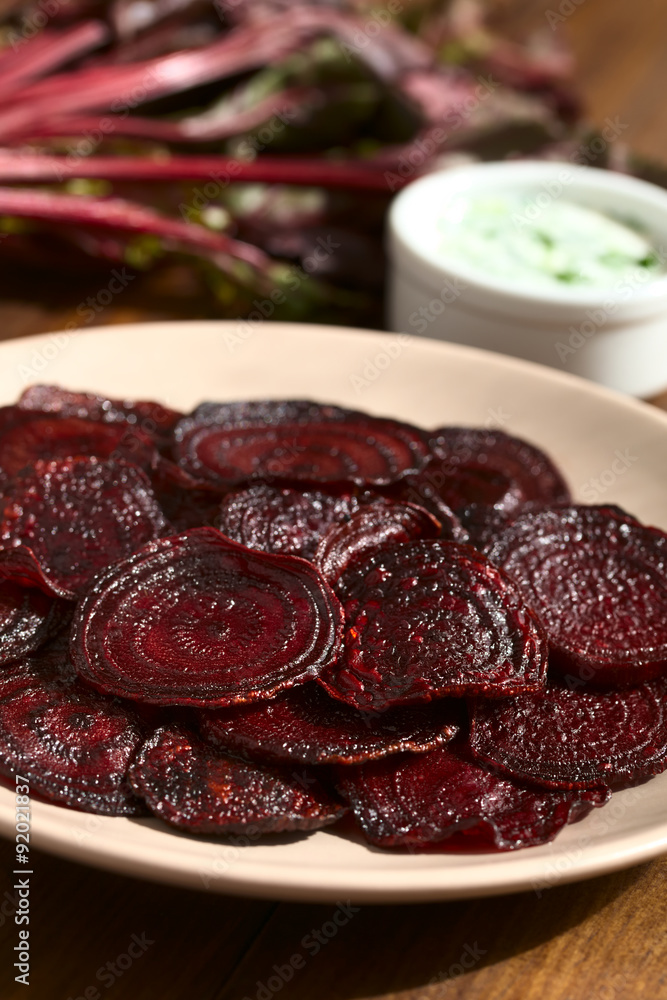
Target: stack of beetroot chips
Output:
[{"x": 269, "y": 614}]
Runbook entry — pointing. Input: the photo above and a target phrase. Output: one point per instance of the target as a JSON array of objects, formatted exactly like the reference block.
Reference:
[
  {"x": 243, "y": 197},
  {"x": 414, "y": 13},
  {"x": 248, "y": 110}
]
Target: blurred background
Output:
[{"x": 195, "y": 159}]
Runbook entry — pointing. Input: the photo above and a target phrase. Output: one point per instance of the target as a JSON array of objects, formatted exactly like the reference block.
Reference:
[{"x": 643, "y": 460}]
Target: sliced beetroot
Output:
[
  {"x": 430, "y": 619},
  {"x": 421, "y": 489},
  {"x": 197, "y": 619},
  {"x": 570, "y": 738},
  {"x": 72, "y": 745},
  {"x": 370, "y": 530},
  {"x": 285, "y": 520},
  {"x": 28, "y": 617},
  {"x": 306, "y": 725},
  {"x": 64, "y": 521},
  {"x": 296, "y": 440},
  {"x": 185, "y": 501},
  {"x": 28, "y": 437},
  {"x": 153, "y": 419},
  {"x": 419, "y": 799},
  {"x": 597, "y": 580},
  {"x": 194, "y": 787},
  {"x": 475, "y": 465}
]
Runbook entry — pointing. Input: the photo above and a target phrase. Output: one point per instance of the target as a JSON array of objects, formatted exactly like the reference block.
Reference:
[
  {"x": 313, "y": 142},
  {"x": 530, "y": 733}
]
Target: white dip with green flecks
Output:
[{"x": 563, "y": 244}]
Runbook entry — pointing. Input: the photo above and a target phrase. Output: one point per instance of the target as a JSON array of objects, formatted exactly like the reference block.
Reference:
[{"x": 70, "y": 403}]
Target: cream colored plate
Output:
[{"x": 612, "y": 450}]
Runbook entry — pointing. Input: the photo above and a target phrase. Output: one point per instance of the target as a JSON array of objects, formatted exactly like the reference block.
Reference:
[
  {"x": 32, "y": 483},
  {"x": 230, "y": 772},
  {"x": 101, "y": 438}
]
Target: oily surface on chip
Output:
[
  {"x": 196, "y": 619},
  {"x": 193, "y": 786},
  {"x": 296, "y": 440},
  {"x": 305, "y": 724},
  {"x": 421, "y": 799},
  {"x": 569, "y": 738},
  {"x": 77, "y": 516},
  {"x": 597, "y": 580},
  {"x": 72, "y": 745},
  {"x": 429, "y": 619},
  {"x": 28, "y": 617},
  {"x": 283, "y": 520}
]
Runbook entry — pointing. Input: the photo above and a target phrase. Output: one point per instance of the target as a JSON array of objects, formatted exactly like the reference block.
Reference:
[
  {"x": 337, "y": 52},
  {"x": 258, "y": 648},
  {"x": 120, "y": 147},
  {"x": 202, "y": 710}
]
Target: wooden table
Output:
[{"x": 94, "y": 934}]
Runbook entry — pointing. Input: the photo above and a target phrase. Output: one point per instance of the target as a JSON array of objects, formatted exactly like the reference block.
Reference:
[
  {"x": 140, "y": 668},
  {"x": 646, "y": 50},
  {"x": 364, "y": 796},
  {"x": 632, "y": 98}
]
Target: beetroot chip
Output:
[
  {"x": 152, "y": 419},
  {"x": 28, "y": 617},
  {"x": 66, "y": 520},
  {"x": 569, "y": 738},
  {"x": 597, "y": 580},
  {"x": 27, "y": 437},
  {"x": 194, "y": 787},
  {"x": 475, "y": 465},
  {"x": 429, "y": 619},
  {"x": 419, "y": 799},
  {"x": 306, "y": 725},
  {"x": 285, "y": 520},
  {"x": 372, "y": 529},
  {"x": 72, "y": 745},
  {"x": 197, "y": 619},
  {"x": 296, "y": 440}
]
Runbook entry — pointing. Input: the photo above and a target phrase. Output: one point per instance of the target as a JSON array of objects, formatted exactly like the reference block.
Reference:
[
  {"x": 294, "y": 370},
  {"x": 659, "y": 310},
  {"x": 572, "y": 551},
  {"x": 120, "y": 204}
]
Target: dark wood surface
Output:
[{"x": 604, "y": 939}]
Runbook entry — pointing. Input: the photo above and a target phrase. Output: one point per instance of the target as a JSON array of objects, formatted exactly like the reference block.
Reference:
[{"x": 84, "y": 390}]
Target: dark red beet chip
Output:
[
  {"x": 197, "y": 619},
  {"x": 569, "y": 738},
  {"x": 26, "y": 437},
  {"x": 420, "y": 799},
  {"x": 430, "y": 619},
  {"x": 306, "y": 725},
  {"x": 372, "y": 529},
  {"x": 186, "y": 502},
  {"x": 420, "y": 489},
  {"x": 28, "y": 617},
  {"x": 284, "y": 521},
  {"x": 66, "y": 520},
  {"x": 296, "y": 440},
  {"x": 597, "y": 580},
  {"x": 150, "y": 418},
  {"x": 71, "y": 744},
  {"x": 194, "y": 787},
  {"x": 475, "y": 465}
]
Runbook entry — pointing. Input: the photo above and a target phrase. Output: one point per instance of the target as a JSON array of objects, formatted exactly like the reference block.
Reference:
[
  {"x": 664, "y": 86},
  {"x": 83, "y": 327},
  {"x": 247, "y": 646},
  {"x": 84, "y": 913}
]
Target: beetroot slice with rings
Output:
[
  {"x": 308, "y": 726},
  {"x": 197, "y": 619},
  {"x": 597, "y": 580},
  {"x": 153, "y": 419},
  {"x": 72, "y": 745},
  {"x": 372, "y": 529},
  {"x": 275, "y": 440},
  {"x": 66, "y": 520},
  {"x": 476, "y": 465},
  {"x": 415, "y": 800},
  {"x": 429, "y": 619},
  {"x": 197, "y": 788},
  {"x": 27, "y": 437},
  {"x": 421, "y": 490},
  {"x": 28, "y": 617},
  {"x": 569, "y": 738},
  {"x": 285, "y": 520}
]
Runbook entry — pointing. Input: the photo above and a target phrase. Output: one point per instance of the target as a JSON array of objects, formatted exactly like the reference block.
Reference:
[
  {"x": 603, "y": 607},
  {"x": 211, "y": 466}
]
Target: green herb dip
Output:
[{"x": 509, "y": 236}]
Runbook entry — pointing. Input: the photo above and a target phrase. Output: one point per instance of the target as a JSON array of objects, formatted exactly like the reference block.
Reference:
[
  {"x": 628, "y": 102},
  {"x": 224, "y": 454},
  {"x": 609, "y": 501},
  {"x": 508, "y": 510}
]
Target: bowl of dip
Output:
[{"x": 560, "y": 264}]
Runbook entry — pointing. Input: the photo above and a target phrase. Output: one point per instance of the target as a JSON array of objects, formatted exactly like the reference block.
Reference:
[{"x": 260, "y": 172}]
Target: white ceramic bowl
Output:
[{"x": 617, "y": 337}]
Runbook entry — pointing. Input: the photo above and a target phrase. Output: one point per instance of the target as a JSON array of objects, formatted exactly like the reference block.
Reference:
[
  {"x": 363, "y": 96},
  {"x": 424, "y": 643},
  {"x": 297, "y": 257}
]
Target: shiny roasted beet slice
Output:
[
  {"x": 597, "y": 580},
  {"x": 306, "y": 725},
  {"x": 64, "y": 521},
  {"x": 284, "y": 521},
  {"x": 370, "y": 530},
  {"x": 476, "y": 465},
  {"x": 569, "y": 738},
  {"x": 277, "y": 440},
  {"x": 194, "y": 787},
  {"x": 26, "y": 437},
  {"x": 429, "y": 619},
  {"x": 419, "y": 799},
  {"x": 419, "y": 489},
  {"x": 72, "y": 745},
  {"x": 28, "y": 617},
  {"x": 152, "y": 419},
  {"x": 185, "y": 501},
  {"x": 197, "y": 619}
]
